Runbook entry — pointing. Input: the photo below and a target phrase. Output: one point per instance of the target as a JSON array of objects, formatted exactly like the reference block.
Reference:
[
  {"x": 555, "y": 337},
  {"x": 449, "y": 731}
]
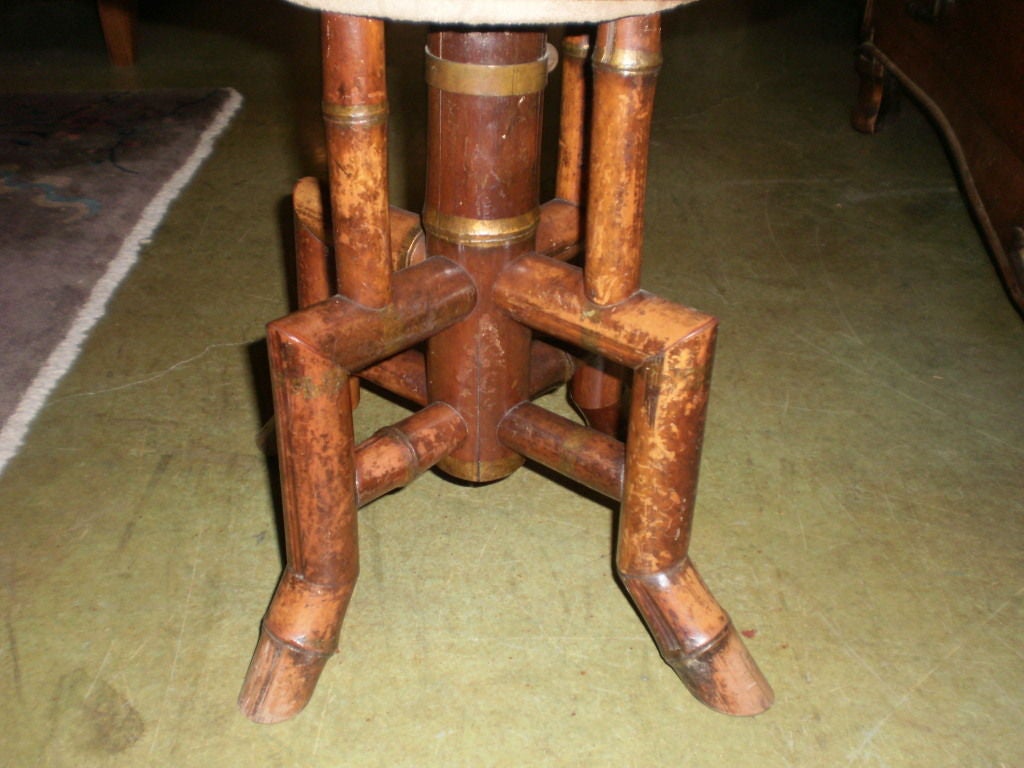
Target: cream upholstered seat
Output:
[{"x": 494, "y": 12}]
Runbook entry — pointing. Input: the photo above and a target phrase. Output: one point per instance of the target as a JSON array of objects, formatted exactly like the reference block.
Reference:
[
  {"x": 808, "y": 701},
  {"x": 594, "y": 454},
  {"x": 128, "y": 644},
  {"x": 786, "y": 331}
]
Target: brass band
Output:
[
  {"x": 628, "y": 62},
  {"x": 487, "y": 79},
  {"x": 576, "y": 47},
  {"x": 480, "y": 233},
  {"x": 356, "y": 114}
]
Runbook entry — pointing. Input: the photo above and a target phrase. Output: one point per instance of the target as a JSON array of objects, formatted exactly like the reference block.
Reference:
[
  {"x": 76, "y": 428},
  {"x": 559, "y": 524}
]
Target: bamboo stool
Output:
[{"x": 471, "y": 282}]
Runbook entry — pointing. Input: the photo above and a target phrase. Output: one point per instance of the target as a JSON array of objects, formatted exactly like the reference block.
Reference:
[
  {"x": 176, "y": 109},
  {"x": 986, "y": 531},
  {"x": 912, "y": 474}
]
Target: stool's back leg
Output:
[
  {"x": 627, "y": 56},
  {"x": 313, "y": 277},
  {"x": 355, "y": 118},
  {"x": 571, "y": 130}
]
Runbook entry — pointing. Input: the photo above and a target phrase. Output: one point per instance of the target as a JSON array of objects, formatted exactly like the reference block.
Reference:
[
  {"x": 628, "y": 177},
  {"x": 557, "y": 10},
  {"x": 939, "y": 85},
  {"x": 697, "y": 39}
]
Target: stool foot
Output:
[
  {"x": 697, "y": 639},
  {"x": 280, "y": 681},
  {"x": 297, "y": 637}
]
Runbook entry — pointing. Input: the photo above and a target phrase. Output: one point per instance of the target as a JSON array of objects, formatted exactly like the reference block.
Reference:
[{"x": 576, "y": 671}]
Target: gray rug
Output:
[{"x": 85, "y": 180}]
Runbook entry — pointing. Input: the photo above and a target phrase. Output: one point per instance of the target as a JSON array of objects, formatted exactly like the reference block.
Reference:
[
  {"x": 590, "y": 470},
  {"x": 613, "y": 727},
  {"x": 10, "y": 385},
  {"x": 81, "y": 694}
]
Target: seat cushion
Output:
[{"x": 494, "y": 11}]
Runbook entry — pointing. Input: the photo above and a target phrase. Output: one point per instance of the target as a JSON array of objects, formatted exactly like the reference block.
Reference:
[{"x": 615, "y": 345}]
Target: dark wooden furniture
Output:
[
  {"x": 450, "y": 310},
  {"x": 963, "y": 61}
]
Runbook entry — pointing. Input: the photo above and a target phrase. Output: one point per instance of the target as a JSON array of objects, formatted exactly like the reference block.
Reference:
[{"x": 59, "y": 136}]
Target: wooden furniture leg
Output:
[
  {"x": 669, "y": 349},
  {"x": 312, "y": 354},
  {"x": 119, "y": 20},
  {"x": 961, "y": 64},
  {"x": 878, "y": 96}
]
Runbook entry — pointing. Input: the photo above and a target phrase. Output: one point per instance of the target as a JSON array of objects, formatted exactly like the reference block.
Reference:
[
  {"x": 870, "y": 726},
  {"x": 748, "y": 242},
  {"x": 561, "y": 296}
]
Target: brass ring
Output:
[
  {"x": 574, "y": 50},
  {"x": 487, "y": 79},
  {"x": 628, "y": 62},
  {"x": 356, "y": 114},
  {"x": 480, "y": 233}
]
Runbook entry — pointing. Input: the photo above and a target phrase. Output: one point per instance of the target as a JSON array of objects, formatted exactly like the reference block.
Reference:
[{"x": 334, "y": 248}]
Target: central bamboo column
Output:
[{"x": 481, "y": 210}]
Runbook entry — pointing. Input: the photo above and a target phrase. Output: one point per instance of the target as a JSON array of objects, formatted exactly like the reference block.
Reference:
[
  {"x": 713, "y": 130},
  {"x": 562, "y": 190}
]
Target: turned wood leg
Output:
[
  {"x": 878, "y": 96},
  {"x": 316, "y": 454}
]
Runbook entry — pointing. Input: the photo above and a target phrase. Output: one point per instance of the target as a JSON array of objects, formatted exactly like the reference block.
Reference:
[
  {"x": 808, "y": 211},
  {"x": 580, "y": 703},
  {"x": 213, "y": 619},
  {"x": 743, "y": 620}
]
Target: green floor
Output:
[{"x": 862, "y": 491}]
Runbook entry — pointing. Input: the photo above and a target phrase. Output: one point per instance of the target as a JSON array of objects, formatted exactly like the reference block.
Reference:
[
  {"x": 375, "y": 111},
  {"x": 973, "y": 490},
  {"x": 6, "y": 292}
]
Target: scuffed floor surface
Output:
[{"x": 862, "y": 491}]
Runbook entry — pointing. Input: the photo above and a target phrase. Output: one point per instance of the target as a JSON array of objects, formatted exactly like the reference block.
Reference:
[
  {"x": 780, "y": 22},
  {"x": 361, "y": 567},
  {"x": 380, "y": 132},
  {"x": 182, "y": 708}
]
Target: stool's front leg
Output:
[
  {"x": 669, "y": 348},
  {"x": 693, "y": 632},
  {"x": 316, "y": 453}
]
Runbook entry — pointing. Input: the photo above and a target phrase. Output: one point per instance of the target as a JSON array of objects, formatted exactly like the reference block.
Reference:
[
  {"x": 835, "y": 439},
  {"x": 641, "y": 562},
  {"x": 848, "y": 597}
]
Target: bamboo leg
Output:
[
  {"x": 571, "y": 132},
  {"x": 355, "y": 112},
  {"x": 693, "y": 633},
  {"x": 311, "y": 354},
  {"x": 355, "y": 120},
  {"x": 312, "y": 255},
  {"x": 315, "y": 444},
  {"x": 626, "y": 60},
  {"x": 627, "y": 57},
  {"x": 669, "y": 348},
  {"x": 597, "y": 385},
  {"x": 407, "y": 242}
]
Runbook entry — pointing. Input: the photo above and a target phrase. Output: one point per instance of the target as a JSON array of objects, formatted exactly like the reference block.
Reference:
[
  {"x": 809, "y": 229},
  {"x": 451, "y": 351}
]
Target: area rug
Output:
[{"x": 85, "y": 180}]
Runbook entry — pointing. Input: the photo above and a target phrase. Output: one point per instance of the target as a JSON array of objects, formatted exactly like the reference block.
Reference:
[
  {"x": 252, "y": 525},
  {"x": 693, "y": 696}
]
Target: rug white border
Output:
[{"x": 66, "y": 352}]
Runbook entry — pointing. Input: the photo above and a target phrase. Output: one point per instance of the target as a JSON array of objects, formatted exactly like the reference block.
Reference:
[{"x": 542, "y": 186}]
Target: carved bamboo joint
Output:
[{"x": 698, "y": 640}]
